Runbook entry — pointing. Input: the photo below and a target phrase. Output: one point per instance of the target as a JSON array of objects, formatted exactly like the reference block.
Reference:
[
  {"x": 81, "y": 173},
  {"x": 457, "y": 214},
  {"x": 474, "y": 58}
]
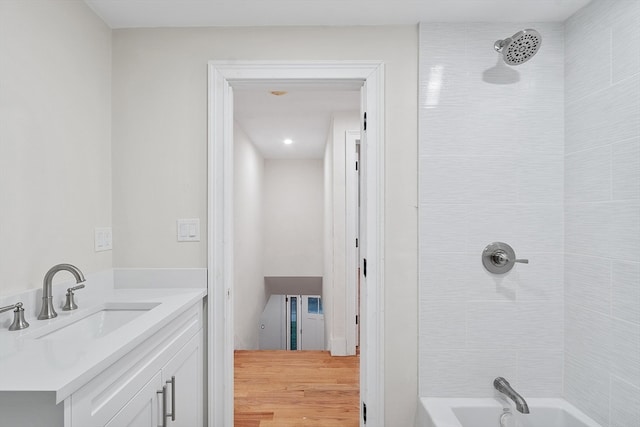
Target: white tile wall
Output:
[
  {"x": 602, "y": 211},
  {"x": 587, "y": 282},
  {"x": 603, "y": 116},
  {"x": 464, "y": 373},
  {"x": 588, "y": 175},
  {"x": 626, "y": 174},
  {"x": 538, "y": 372},
  {"x": 625, "y": 291},
  {"x": 588, "y": 392},
  {"x": 625, "y": 405},
  {"x": 491, "y": 169},
  {"x": 548, "y": 161}
]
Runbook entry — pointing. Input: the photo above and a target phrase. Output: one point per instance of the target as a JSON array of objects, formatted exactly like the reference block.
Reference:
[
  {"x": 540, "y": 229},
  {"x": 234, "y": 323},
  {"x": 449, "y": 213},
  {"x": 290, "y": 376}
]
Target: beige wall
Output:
[
  {"x": 160, "y": 146},
  {"x": 55, "y": 139},
  {"x": 292, "y": 217},
  {"x": 248, "y": 229}
]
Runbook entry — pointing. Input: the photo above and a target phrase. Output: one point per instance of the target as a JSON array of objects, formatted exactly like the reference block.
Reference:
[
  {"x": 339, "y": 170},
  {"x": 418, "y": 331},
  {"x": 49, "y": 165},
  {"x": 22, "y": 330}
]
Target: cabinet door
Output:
[
  {"x": 186, "y": 393},
  {"x": 144, "y": 409}
]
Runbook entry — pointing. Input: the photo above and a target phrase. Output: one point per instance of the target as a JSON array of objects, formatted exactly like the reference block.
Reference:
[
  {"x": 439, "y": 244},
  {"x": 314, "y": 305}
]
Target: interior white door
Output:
[
  {"x": 352, "y": 243},
  {"x": 312, "y": 323}
]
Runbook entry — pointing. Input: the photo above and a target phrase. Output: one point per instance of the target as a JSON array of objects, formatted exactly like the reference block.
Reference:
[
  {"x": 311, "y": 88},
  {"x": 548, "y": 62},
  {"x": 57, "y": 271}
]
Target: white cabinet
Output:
[
  {"x": 185, "y": 391},
  {"x": 175, "y": 393},
  {"x": 142, "y": 410},
  {"x": 129, "y": 392}
]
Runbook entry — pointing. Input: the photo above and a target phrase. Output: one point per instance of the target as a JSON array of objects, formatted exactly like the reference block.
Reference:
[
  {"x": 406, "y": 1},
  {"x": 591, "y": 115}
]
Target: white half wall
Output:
[
  {"x": 249, "y": 290},
  {"x": 293, "y": 217},
  {"x": 55, "y": 139}
]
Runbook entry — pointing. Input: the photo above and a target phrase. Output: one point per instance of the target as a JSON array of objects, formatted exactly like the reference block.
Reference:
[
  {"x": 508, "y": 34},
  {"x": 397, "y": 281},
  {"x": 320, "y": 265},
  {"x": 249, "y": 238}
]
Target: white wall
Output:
[
  {"x": 248, "y": 228},
  {"x": 55, "y": 139},
  {"x": 602, "y": 212},
  {"x": 491, "y": 169},
  {"x": 293, "y": 217},
  {"x": 160, "y": 145}
]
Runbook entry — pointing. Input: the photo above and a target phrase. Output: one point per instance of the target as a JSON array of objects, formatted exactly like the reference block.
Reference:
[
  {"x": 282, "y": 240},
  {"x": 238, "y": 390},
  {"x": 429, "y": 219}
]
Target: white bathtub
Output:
[{"x": 454, "y": 412}]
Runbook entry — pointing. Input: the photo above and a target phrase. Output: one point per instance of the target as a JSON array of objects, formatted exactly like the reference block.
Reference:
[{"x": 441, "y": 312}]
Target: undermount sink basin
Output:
[{"x": 96, "y": 323}]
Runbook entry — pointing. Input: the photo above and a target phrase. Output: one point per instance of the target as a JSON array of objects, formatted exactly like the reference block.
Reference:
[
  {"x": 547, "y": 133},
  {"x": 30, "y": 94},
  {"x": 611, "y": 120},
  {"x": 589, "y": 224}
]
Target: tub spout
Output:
[{"x": 505, "y": 388}]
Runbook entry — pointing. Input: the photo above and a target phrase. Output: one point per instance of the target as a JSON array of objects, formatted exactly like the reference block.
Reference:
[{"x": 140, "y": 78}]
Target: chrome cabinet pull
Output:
[
  {"x": 173, "y": 398},
  {"x": 163, "y": 392}
]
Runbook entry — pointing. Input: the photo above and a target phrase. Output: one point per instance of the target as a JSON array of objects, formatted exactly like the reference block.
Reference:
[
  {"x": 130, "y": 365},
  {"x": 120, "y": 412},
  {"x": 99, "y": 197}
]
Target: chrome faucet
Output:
[
  {"x": 504, "y": 387},
  {"x": 48, "y": 312}
]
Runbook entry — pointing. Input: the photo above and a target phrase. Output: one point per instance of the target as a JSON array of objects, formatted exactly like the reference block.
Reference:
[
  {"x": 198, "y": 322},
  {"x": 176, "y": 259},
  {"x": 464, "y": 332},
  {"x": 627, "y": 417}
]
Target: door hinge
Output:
[
  {"x": 364, "y": 412},
  {"x": 357, "y": 242},
  {"x": 357, "y": 319},
  {"x": 356, "y": 165},
  {"x": 365, "y": 122},
  {"x": 364, "y": 267}
]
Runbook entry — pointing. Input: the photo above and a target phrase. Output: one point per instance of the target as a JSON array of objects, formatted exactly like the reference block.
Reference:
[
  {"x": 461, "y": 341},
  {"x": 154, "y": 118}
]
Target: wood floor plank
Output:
[{"x": 296, "y": 389}]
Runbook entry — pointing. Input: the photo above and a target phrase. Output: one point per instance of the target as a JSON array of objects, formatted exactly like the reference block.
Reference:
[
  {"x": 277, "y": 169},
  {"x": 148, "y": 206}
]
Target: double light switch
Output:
[{"x": 188, "y": 230}]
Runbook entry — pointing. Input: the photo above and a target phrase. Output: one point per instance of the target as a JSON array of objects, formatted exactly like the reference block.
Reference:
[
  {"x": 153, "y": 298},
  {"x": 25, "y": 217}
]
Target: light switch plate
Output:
[
  {"x": 188, "y": 230},
  {"x": 103, "y": 239}
]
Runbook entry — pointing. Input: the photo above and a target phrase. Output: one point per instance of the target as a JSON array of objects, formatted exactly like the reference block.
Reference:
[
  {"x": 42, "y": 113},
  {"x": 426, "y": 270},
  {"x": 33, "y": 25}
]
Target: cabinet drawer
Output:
[{"x": 104, "y": 396}]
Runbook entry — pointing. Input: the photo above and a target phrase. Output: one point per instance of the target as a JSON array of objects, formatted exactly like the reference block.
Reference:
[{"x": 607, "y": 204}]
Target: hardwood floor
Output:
[{"x": 296, "y": 389}]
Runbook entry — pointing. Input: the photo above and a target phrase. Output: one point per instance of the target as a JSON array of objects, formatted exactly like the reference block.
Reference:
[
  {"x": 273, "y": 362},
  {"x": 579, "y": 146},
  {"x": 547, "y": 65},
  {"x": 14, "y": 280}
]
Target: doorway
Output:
[
  {"x": 304, "y": 313},
  {"x": 223, "y": 78}
]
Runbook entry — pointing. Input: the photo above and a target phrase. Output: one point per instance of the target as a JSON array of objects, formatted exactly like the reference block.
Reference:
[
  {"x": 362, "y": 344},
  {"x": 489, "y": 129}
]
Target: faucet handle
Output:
[
  {"x": 75, "y": 288},
  {"x": 499, "y": 258},
  {"x": 18, "y": 316},
  {"x": 70, "y": 303}
]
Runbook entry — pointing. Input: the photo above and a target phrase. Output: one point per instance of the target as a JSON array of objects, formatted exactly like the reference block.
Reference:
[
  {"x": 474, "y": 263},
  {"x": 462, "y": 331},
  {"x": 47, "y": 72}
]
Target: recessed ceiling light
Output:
[
  {"x": 288, "y": 141},
  {"x": 278, "y": 92}
]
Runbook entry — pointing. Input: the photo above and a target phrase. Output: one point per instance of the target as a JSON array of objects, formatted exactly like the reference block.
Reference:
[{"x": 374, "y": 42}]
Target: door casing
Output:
[{"x": 223, "y": 76}]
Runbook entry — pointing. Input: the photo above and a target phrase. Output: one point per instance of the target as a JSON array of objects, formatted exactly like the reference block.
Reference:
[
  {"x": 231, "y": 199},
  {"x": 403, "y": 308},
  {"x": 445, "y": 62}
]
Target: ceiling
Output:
[
  {"x": 201, "y": 13},
  {"x": 302, "y": 115}
]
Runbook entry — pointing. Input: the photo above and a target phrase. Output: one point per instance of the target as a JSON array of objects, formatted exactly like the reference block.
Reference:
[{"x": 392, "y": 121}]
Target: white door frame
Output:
[{"x": 223, "y": 76}]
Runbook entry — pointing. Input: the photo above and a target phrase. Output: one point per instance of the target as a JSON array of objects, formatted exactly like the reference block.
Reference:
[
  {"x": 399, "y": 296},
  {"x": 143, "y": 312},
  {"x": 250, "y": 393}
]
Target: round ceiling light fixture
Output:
[{"x": 288, "y": 141}]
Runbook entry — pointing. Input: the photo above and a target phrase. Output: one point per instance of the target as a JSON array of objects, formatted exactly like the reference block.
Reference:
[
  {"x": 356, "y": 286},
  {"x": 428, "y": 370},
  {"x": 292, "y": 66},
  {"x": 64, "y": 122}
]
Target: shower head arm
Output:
[{"x": 499, "y": 44}]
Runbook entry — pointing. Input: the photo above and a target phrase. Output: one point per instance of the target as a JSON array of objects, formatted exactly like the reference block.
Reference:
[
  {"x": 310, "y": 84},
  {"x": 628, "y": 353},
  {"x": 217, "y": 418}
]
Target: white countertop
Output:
[{"x": 63, "y": 366}]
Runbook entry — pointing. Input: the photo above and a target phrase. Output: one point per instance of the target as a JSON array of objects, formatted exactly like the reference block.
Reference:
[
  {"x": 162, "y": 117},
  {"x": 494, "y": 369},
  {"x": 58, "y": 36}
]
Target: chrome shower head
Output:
[{"x": 520, "y": 47}]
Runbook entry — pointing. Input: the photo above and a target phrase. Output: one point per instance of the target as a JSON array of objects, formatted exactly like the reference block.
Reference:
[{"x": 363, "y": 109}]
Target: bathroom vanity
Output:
[{"x": 134, "y": 359}]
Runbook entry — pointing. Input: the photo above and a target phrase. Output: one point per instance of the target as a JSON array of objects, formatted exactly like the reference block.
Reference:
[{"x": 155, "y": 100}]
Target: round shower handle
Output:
[{"x": 499, "y": 258}]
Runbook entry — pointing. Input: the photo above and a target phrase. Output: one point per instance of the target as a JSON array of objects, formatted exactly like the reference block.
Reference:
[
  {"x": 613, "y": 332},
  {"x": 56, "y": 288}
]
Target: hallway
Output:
[{"x": 296, "y": 389}]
